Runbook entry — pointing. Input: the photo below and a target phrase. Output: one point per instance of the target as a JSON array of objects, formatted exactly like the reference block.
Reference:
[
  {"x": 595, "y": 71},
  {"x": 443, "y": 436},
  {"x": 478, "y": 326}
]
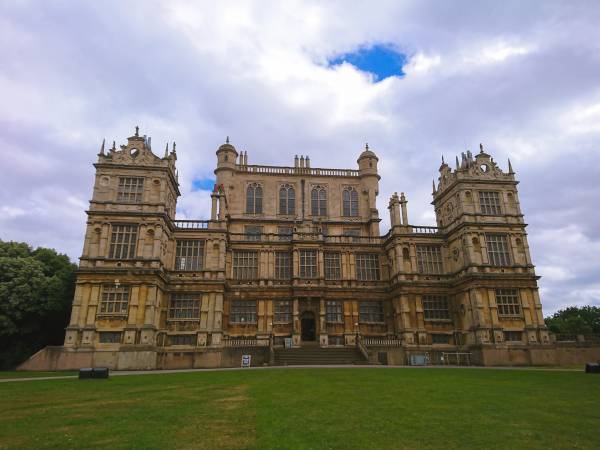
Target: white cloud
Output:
[{"x": 516, "y": 79}]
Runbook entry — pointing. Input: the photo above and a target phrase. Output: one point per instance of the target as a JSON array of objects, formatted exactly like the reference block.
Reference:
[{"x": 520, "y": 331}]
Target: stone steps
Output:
[{"x": 318, "y": 356}]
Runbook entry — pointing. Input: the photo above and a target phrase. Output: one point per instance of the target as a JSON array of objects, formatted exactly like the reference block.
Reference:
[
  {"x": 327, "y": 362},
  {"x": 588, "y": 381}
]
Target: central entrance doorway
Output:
[{"x": 308, "y": 326}]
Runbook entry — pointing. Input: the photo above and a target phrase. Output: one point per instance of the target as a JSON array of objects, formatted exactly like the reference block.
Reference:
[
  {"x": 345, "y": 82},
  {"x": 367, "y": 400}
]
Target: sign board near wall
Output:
[{"x": 246, "y": 360}]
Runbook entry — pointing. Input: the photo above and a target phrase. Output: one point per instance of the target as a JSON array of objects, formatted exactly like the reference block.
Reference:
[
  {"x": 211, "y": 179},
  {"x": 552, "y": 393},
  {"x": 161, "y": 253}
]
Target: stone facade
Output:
[{"x": 294, "y": 255}]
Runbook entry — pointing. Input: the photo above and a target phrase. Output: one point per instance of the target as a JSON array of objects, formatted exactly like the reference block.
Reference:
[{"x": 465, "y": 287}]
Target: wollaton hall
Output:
[{"x": 291, "y": 267}]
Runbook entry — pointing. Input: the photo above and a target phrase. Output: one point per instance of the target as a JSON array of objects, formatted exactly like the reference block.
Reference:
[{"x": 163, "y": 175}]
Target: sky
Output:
[{"x": 414, "y": 79}]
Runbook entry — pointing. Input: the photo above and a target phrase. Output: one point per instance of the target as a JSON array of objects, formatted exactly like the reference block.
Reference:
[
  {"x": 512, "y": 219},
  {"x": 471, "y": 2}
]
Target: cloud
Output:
[{"x": 521, "y": 78}]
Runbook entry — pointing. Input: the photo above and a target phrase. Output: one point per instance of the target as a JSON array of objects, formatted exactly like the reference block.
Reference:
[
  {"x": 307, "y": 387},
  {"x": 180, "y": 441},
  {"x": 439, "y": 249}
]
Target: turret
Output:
[{"x": 226, "y": 156}]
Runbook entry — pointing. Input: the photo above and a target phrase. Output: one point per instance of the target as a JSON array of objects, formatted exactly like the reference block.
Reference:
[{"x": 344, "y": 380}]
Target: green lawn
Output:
[{"x": 307, "y": 408}]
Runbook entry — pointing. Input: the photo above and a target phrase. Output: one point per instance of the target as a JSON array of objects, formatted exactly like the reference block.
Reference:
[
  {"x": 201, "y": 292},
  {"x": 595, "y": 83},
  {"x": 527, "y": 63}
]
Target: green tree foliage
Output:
[
  {"x": 575, "y": 320},
  {"x": 36, "y": 292}
]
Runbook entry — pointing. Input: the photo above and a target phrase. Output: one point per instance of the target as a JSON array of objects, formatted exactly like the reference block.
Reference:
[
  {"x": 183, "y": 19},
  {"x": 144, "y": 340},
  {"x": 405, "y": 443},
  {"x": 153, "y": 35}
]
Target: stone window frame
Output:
[
  {"x": 285, "y": 233},
  {"x": 245, "y": 264},
  {"x": 334, "y": 311},
  {"x": 110, "y": 337},
  {"x": 429, "y": 259},
  {"x": 436, "y": 308},
  {"x": 282, "y": 311},
  {"x": 184, "y": 306},
  {"x": 254, "y": 198},
  {"x": 371, "y": 312},
  {"x": 350, "y": 201},
  {"x": 367, "y": 267},
  {"x": 498, "y": 249},
  {"x": 508, "y": 303},
  {"x": 318, "y": 200},
  {"x": 189, "y": 254},
  {"x": 253, "y": 233},
  {"x": 114, "y": 300},
  {"x": 513, "y": 336},
  {"x": 490, "y": 203},
  {"x": 130, "y": 189},
  {"x": 243, "y": 312},
  {"x": 188, "y": 340},
  {"x": 333, "y": 265},
  {"x": 123, "y": 240},
  {"x": 309, "y": 263},
  {"x": 440, "y": 338},
  {"x": 283, "y": 265},
  {"x": 287, "y": 202}
]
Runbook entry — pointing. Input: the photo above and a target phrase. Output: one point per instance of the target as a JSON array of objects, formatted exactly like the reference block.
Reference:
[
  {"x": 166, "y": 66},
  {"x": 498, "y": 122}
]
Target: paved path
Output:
[{"x": 119, "y": 373}]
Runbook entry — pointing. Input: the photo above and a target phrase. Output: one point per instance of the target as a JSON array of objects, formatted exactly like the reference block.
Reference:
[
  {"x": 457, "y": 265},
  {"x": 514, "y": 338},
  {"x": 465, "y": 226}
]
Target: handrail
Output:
[
  {"x": 191, "y": 224},
  {"x": 423, "y": 229},
  {"x": 382, "y": 342},
  {"x": 363, "y": 350},
  {"x": 283, "y": 170}
]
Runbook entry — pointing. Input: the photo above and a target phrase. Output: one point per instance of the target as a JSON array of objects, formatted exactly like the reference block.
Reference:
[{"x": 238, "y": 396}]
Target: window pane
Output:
[
  {"x": 333, "y": 266},
  {"x": 490, "y": 202},
  {"x": 367, "y": 267},
  {"x": 283, "y": 311},
  {"x": 245, "y": 265},
  {"x": 243, "y": 311},
  {"x": 435, "y": 307},
  {"x": 370, "y": 312},
  {"x": 130, "y": 189},
  {"x": 308, "y": 264},
  {"x": 189, "y": 254},
  {"x": 334, "y": 311},
  {"x": 123, "y": 241},
  {"x": 497, "y": 249},
  {"x": 429, "y": 258},
  {"x": 185, "y": 306},
  {"x": 114, "y": 300},
  {"x": 508, "y": 303},
  {"x": 283, "y": 265}
]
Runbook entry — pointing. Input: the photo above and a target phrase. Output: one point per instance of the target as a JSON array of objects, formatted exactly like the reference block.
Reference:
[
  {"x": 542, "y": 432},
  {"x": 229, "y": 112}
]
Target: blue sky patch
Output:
[
  {"x": 203, "y": 184},
  {"x": 383, "y": 61}
]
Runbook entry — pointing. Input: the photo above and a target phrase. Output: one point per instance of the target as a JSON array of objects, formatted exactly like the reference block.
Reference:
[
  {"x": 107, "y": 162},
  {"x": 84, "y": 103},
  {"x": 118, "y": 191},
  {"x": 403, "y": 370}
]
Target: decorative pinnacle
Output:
[
  {"x": 167, "y": 150},
  {"x": 227, "y": 140},
  {"x": 137, "y": 131},
  {"x": 367, "y": 146},
  {"x": 174, "y": 147},
  {"x": 443, "y": 162},
  {"x": 102, "y": 147},
  {"x": 114, "y": 147},
  {"x": 480, "y": 148},
  {"x": 510, "y": 169}
]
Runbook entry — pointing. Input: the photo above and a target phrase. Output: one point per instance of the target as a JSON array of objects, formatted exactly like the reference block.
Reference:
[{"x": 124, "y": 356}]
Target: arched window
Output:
[
  {"x": 318, "y": 201},
  {"x": 350, "y": 202},
  {"x": 254, "y": 197},
  {"x": 287, "y": 200}
]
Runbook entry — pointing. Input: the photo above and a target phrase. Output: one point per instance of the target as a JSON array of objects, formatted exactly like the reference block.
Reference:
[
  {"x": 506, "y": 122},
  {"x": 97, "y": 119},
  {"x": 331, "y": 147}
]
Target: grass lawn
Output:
[
  {"x": 307, "y": 408},
  {"x": 15, "y": 374}
]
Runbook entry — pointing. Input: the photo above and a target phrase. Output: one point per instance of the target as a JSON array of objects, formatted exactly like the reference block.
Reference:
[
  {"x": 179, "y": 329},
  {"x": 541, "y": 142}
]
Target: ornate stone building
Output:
[{"x": 293, "y": 257}]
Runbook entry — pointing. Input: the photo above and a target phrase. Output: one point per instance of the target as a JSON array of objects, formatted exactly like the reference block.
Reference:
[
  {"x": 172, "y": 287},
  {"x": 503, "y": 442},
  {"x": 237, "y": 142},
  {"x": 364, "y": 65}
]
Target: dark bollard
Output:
[
  {"x": 592, "y": 368},
  {"x": 89, "y": 373}
]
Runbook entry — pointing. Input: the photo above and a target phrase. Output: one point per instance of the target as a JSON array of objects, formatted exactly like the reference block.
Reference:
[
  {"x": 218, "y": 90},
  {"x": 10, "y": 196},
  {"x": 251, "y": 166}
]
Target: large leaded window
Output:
[
  {"x": 333, "y": 265},
  {"x": 436, "y": 307},
  {"x": 285, "y": 233},
  {"x": 254, "y": 196},
  {"x": 130, "y": 189},
  {"x": 429, "y": 258},
  {"x": 283, "y": 265},
  {"x": 283, "y": 311},
  {"x": 189, "y": 254},
  {"x": 308, "y": 264},
  {"x": 287, "y": 200},
  {"x": 497, "y": 249},
  {"x": 243, "y": 311},
  {"x": 350, "y": 202},
  {"x": 370, "y": 312},
  {"x": 253, "y": 233},
  {"x": 318, "y": 201},
  {"x": 513, "y": 336},
  {"x": 367, "y": 267},
  {"x": 334, "y": 311},
  {"x": 508, "y": 303},
  {"x": 490, "y": 202},
  {"x": 245, "y": 265},
  {"x": 184, "y": 306},
  {"x": 114, "y": 300},
  {"x": 123, "y": 241}
]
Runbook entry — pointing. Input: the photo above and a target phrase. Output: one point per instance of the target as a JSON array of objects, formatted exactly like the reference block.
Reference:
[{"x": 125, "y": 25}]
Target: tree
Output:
[
  {"x": 36, "y": 293},
  {"x": 575, "y": 320}
]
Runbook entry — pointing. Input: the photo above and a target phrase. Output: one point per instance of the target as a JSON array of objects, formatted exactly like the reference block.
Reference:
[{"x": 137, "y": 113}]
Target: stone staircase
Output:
[{"x": 304, "y": 356}]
